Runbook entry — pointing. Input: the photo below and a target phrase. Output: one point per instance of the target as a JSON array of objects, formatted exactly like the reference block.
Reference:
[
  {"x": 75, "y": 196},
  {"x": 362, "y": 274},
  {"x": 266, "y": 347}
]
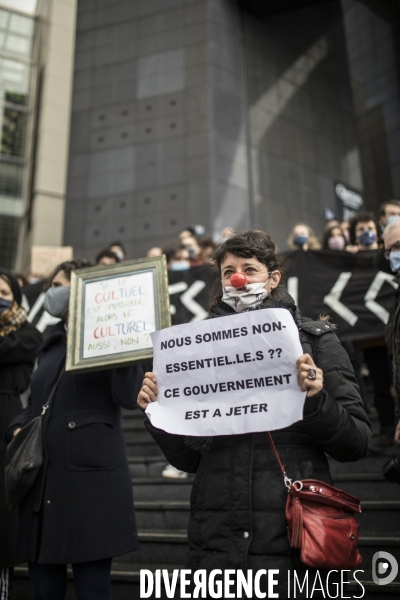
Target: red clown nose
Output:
[{"x": 238, "y": 280}]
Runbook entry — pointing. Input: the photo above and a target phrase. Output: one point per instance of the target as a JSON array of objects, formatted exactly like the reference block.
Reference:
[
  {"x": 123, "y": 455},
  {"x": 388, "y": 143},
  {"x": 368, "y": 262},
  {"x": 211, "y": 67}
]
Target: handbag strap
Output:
[
  {"x": 53, "y": 389},
  {"x": 286, "y": 480}
]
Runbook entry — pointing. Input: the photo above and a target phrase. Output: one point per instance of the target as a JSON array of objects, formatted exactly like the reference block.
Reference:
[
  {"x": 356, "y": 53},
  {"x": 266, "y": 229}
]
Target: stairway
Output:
[
  {"x": 162, "y": 511},
  {"x": 380, "y": 517}
]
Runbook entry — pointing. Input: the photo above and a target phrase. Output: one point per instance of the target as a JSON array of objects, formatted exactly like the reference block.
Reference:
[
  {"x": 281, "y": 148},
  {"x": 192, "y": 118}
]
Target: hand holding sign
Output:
[
  {"x": 148, "y": 392},
  {"x": 312, "y": 386}
]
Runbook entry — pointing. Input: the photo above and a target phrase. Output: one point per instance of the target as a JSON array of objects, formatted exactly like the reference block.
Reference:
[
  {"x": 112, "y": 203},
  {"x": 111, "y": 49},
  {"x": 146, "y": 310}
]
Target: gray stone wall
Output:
[
  {"x": 188, "y": 112},
  {"x": 139, "y": 158},
  {"x": 303, "y": 134},
  {"x": 372, "y": 33}
]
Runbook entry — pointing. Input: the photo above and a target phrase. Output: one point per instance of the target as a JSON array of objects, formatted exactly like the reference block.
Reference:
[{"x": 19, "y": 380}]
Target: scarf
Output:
[
  {"x": 203, "y": 444},
  {"x": 11, "y": 320}
]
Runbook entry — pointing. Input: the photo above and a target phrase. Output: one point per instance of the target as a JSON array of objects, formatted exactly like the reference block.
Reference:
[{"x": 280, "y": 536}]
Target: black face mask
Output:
[{"x": 5, "y": 305}]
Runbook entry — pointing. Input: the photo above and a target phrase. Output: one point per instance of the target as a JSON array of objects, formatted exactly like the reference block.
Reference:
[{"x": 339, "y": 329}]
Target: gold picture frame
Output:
[{"x": 104, "y": 302}]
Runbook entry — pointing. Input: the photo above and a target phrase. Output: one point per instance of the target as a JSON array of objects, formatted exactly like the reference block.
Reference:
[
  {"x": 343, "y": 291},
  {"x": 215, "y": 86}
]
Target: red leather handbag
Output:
[{"x": 321, "y": 522}]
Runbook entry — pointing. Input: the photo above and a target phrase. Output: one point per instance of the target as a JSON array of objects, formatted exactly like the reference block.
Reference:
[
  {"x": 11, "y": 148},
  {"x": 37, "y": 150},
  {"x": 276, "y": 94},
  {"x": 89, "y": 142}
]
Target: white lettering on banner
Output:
[
  {"x": 228, "y": 376},
  {"x": 374, "y": 290},
  {"x": 293, "y": 288},
  {"x": 333, "y": 300},
  {"x": 187, "y": 299},
  {"x": 119, "y": 315}
]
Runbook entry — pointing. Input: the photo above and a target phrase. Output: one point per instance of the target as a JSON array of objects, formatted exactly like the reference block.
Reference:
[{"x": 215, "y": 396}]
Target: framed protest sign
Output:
[{"x": 112, "y": 312}]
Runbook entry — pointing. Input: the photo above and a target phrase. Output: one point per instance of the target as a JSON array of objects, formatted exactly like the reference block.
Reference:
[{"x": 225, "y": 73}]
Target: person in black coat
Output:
[
  {"x": 80, "y": 509},
  {"x": 237, "y": 517},
  {"x": 18, "y": 344}
]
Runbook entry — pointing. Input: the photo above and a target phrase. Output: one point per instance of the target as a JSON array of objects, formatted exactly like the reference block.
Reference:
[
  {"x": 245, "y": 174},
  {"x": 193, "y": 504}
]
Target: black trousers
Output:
[
  {"x": 92, "y": 580},
  {"x": 379, "y": 368}
]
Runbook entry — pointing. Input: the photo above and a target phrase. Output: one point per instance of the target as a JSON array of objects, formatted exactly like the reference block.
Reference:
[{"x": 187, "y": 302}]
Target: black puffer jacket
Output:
[{"x": 238, "y": 498}]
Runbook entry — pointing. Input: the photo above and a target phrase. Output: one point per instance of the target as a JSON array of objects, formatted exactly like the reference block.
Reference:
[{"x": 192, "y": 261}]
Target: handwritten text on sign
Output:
[
  {"x": 119, "y": 315},
  {"x": 228, "y": 376}
]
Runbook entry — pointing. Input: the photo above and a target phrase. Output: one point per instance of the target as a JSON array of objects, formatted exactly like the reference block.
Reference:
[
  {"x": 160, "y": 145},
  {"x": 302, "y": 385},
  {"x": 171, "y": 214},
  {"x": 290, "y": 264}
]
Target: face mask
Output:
[
  {"x": 192, "y": 252},
  {"x": 179, "y": 266},
  {"x": 252, "y": 294},
  {"x": 56, "y": 301},
  {"x": 394, "y": 258},
  {"x": 300, "y": 240},
  {"x": 367, "y": 238},
  {"x": 5, "y": 305},
  {"x": 346, "y": 235},
  {"x": 119, "y": 254},
  {"x": 336, "y": 242},
  {"x": 392, "y": 219}
]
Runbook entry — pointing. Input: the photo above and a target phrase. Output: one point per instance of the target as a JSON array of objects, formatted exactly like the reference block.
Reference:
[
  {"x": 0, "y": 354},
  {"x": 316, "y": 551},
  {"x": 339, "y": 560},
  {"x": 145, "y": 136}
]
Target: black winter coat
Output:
[
  {"x": 237, "y": 515},
  {"x": 81, "y": 505},
  {"x": 17, "y": 358}
]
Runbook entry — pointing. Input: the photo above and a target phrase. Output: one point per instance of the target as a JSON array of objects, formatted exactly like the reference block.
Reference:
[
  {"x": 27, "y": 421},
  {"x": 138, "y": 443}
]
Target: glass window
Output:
[
  {"x": 21, "y": 25},
  {"x": 16, "y": 44},
  {"x": 16, "y": 34},
  {"x": 9, "y": 228},
  {"x": 13, "y": 125},
  {"x": 11, "y": 179},
  {"x": 14, "y": 81},
  {"x": 4, "y": 19}
]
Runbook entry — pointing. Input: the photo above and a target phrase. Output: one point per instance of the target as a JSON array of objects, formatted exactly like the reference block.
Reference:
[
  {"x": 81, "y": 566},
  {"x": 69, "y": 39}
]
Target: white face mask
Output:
[{"x": 252, "y": 294}]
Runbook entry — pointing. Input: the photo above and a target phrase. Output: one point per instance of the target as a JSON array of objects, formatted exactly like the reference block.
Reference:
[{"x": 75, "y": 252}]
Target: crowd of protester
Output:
[
  {"x": 363, "y": 231},
  {"x": 366, "y": 232},
  {"x": 191, "y": 249}
]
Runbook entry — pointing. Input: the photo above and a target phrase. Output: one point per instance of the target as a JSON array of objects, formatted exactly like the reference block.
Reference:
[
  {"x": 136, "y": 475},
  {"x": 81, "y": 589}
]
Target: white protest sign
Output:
[
  {"x": 119, "y": 314},
  {"x": 229, "y": 375}
]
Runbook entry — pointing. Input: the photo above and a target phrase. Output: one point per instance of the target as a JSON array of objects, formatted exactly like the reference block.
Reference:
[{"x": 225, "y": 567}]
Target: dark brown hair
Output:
[
  {"x": 362, "y": 217},
  {"x": 382, "y": 208},
  {"x": 328, "y": 234},
  {"x": 68, "y": 266},
  {"x": 247, "y": 244},
  {"x": 107, "y": 253}
]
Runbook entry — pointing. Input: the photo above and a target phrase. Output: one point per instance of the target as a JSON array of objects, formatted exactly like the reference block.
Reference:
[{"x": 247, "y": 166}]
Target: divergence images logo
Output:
[{"x": 384, "y": 563}]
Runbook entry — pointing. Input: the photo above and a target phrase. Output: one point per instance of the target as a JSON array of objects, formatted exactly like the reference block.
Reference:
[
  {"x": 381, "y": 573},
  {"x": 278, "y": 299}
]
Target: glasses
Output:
[{"x": 394, "y": 248}]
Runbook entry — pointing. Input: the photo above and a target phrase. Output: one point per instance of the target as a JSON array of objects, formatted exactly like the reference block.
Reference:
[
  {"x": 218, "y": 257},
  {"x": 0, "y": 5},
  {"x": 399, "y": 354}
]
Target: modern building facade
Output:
[
  {"x": 36, "y": 73},
  {"x": 17, "y": 76},
  {"x": 227, "y": 113}
]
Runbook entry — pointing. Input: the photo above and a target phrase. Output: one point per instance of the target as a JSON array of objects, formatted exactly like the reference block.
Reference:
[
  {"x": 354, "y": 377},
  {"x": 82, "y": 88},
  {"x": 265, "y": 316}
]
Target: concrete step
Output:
[
  {"x": 146, "y": 466},
  {"x": 162, "y": 515},
  {"x": 368, "y": 464},
  {"x": 367, "y": 486},
  {"x": 136, "y": 437},
  {"x": 372, "y": 590},
  {"x": 379, "y": 515},
  {"x": 382, "y": 516},
  {"x": 371, "y": 542},
  {"x": 149, "y": 488},
  {"x": 146, "y": 447},
  {"x": 158, "y": 546},
  {"x": 125, "y": 579}
]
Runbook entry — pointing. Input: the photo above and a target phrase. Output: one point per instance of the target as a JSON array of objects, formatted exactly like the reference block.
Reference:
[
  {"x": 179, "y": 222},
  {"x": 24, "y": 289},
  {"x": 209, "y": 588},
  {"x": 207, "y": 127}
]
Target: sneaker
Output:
[
  {"x": 171, "y": 473},
  {"x": 381, "y": 443}
]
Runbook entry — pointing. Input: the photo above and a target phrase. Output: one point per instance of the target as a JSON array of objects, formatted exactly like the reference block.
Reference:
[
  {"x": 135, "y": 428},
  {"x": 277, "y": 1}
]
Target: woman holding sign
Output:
[
  {"x": 80, "y": 508},
  {"x": 237, "y": 518},
  {"x": 19, "y": 341}
]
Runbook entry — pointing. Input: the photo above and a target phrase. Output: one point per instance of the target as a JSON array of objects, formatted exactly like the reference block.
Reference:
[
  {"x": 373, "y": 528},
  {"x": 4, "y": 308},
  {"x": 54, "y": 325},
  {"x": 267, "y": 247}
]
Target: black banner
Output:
[
  {"x": 189, "y": 293},
  {"x": 349, "y": 287}
]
